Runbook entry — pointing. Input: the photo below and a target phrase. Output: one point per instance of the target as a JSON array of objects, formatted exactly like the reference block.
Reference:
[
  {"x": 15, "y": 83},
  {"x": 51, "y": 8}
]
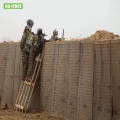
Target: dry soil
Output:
[
  {"x": 101, "y": 35},
  {"x": 12, "y": 115}
]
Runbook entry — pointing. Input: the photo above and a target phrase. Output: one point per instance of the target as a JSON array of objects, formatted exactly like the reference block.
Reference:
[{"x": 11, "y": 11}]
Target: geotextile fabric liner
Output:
[{"x": 79, "y": 80}]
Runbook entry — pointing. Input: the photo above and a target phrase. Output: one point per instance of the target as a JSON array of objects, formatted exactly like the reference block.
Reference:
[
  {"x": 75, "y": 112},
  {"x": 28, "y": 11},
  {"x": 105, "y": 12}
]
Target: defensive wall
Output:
[{"x": 79, "y": 80}]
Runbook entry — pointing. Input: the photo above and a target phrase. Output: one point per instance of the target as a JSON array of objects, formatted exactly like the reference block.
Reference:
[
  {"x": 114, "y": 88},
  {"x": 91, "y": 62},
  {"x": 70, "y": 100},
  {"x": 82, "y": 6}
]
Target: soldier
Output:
[
  {"x": 54, "y": 37},
  {"x": 38, "y": 44},
  {"x": 26, "y": 44}
]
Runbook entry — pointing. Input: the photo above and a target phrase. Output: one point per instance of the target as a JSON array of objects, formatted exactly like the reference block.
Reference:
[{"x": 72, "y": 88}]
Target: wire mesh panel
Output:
[
  {"x": 102, "y": 81},
  {"x": 59, "y": 85},
  {"x": 72, "y": 77},
  {"x": 46, "y": 80},
  {"x": 115, "y": 75},
  {"x": 3, "y": 57},
  {"x": 7, "y": 96},
  {"x": 86, "y": 82},
  {"x": 97, "y": 81},
  {"x": 17, "y": 76}
]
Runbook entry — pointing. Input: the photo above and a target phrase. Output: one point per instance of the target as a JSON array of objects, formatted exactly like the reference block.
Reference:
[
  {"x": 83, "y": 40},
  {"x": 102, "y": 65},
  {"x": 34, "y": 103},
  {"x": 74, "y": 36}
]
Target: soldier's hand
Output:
[{"x": 60, "y": 39}]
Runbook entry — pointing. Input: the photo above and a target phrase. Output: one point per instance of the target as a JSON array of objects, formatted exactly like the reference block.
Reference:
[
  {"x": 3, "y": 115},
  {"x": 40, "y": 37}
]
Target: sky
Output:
[{"x": 79, "y": 18}]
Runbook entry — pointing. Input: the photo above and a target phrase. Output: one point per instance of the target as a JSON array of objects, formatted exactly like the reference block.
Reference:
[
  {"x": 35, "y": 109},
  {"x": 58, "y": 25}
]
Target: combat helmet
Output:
[
  {"x": 30, "y": 22},
  {"x": 55, "y": 32},
  {"x": 39, "y": 31}
]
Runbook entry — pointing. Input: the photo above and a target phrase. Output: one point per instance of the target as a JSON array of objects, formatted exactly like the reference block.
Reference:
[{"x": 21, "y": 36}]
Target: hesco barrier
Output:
[
  {"x": 79, "y": 80},
  {"x": 10, "y": 71}
]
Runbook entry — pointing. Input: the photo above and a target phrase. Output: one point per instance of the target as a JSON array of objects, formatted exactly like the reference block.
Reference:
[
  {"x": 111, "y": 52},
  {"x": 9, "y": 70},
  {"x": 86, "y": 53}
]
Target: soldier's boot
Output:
[
  {"x": 23, "y": 78},
  {"x": 29, "y": 79},
  {"x": 38, "y": 58}
]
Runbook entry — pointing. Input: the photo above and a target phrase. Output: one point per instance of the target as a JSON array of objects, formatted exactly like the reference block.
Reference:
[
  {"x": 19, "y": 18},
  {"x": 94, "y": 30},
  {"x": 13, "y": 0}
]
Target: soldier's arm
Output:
[
  {"x": 60, "y": 39},
  {"x": 52, "y": 39},
  {"x": 34, "y": 41},
  {"x": 47, "y": 40},
  {"x": 25, "y": 34},
  {"x": 22, "y": 41}
]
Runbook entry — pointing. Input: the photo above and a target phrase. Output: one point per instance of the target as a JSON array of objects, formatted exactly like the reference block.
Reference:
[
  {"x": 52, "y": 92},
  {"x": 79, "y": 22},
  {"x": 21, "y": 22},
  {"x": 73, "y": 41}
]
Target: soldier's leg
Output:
[
  {"x": 25, "y": 56},
  {"x": 30, "y": 64},
  {"x": 34, "y": 62},
  {"x": 35, "y": 58}
]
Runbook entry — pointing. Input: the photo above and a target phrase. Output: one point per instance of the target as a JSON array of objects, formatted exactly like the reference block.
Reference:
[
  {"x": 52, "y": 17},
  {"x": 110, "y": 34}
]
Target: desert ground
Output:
[{"x": 13, "y": 115}]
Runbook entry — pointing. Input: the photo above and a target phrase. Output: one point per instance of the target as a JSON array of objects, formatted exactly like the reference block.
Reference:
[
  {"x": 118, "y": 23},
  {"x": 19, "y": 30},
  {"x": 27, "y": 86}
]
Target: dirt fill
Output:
[{"x": 103, "y": 35}]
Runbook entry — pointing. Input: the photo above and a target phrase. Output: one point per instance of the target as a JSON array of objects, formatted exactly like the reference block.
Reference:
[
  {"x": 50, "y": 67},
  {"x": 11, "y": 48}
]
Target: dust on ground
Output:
[{"x": 12, "y": 115}]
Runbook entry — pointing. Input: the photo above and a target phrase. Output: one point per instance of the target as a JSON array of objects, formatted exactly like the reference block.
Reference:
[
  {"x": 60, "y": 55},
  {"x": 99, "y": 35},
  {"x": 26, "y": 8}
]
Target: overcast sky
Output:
[{"x": 77, "y": 17}]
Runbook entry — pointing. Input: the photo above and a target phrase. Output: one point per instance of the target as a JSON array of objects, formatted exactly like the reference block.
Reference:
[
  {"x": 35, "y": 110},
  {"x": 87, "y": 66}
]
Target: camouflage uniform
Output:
[
  {"x": 36, "y": 49},
  {"x": 54, "y": 37},
  {"x": 26, "y": 43}
]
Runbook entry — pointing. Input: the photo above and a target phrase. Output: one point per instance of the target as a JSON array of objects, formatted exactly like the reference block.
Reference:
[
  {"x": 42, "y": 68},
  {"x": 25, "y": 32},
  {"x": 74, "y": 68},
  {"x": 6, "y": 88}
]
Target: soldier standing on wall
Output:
[
  {"x": 26, "y": 44},
  {"x": 54, "y": 37},
  {"x": 36, "y": 49}
]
